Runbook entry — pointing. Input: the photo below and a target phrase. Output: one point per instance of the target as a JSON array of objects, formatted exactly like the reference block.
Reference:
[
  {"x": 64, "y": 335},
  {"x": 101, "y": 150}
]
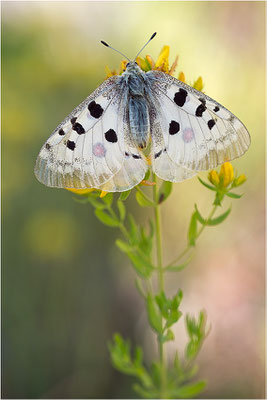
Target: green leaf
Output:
[
  {"x": 106, "y": 219},
  {"x": 199, "y": 216},
  {"x": 120, "y": 352},
  {"x": 192, "y": 231},
  {"x": 95, "y": 203},
  {"x": 142, "y": 200},
  {"x": 219, "y": 219},
  {"x": 188, "y": 391},
  {"x": 108, "y": 199},
  {"x": 234, "y": 195},
  {"x": 142, "y": 266},
  {"x": 164, "y": 191},
  {"x": 124, "y": 195},
  {"x": 122, "y": 209},
  {"x": 154, "y": 316},
  {"x": 123, "y": 246},
  {"x": 206, "y": 184},
  {"x": 133, "y": 232},
  {"x": 169, "y": 336}
]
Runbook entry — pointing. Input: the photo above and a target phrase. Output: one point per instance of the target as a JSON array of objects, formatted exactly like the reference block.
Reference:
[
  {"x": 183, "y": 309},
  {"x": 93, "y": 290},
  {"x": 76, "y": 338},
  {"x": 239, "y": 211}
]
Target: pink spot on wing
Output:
[
  {"x": 99, "y": 150},
  {"x": 188, "y": 135}
]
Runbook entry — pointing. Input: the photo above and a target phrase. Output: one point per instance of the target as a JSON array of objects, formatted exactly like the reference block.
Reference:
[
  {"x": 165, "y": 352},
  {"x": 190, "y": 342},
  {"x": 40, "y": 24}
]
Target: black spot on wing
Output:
[
  {"x": 200, "y": 109},
  {"x": 136, "y": 156},
  {"x": 48, "y": 146},
  {"x": 95, "y": 109},
  {"x": 73, "y": 120},
  {"x": 174, "y": 127},
  {"x": 70, "y": 145},
  {"x": 78, "y": 128},
  {"x": 202, "y": 100},
  {"x": 111, "y": 136},
  {"x": 180, "y": 97},
  {"x": 61, "y": 132},
  {"x": 158, "y": 154},
  {"x": 211, "y": 123},
  {"x": 216, "y": 109}
]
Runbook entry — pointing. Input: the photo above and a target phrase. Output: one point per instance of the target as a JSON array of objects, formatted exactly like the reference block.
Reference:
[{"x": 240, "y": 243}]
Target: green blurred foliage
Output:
[{"x": 61, "y": 295}]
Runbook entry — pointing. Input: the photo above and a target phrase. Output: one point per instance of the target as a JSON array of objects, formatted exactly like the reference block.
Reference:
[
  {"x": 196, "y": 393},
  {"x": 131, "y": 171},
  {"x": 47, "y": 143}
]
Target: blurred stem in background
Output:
[{"x": 163, "y": 378}]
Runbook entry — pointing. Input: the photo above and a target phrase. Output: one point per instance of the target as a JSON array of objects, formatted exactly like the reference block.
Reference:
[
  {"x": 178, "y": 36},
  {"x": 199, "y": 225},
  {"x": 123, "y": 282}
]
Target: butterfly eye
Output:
[
  {"x": 136, "y": 63},
  {"x": 127, "y": 65}
]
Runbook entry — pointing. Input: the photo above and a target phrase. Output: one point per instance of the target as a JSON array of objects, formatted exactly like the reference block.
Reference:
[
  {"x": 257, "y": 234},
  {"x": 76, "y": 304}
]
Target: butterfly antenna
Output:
[
  {"x": 107, "y": 45},
  {"x": 152, "y": 37}
]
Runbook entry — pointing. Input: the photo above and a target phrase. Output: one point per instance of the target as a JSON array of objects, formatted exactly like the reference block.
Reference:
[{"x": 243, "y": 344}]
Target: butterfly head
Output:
[{"x": 132, "y": 67}]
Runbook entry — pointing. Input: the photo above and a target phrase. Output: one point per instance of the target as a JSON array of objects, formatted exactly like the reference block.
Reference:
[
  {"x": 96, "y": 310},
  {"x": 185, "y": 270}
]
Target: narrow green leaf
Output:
[
  {"x": 234, "y": 195},
  {"x": 133, "y": 232},
  {"x": 124, "y": 195},
  {"x": 188, "y": 391},
  {"x": 95, "y": 203},
  {"x": 206, "y": 184},
  {"x": 192, "y": 231},
  {"x": 154, "y": 316},
  {"x": 122, "y": 209},
  {"x": 142, "y": 200},
  {"x": 199, "y": 216},
  {"x": 219, "y": 219},
  {"x": 123, "y": 246},
  {"x": 169, "y": 336},
  {"x": 142, "y": 266},
  {"x": 164, "y": 191},
  {"x": 106, "y": 219}
]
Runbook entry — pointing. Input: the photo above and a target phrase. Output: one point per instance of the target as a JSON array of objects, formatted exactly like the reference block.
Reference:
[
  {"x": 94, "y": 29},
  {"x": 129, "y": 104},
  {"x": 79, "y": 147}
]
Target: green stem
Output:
[{"x": 160, "y": 277}]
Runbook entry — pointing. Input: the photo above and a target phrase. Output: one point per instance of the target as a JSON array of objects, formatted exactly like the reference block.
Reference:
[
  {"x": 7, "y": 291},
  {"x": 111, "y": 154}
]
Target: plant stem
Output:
[{"x": 160, "y": 276}]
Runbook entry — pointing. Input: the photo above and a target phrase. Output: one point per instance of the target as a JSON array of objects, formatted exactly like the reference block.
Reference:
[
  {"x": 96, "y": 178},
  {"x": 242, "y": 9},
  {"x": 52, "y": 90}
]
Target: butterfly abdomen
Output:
[{"x": 139, "y": 120}]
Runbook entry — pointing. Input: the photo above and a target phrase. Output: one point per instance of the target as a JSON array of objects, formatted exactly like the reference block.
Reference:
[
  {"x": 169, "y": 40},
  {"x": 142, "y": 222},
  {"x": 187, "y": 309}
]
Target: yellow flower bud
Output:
[
  {"x": 162, "y": 62},
  {"x": 214, "y": 177},
  {"x": 226, "y": 174},
  {"x": 198, "y": 84},
  {"x": 80, "y": 191},
  {"x": 240, "y": 180},
  {"x": 181, "y": 77}
]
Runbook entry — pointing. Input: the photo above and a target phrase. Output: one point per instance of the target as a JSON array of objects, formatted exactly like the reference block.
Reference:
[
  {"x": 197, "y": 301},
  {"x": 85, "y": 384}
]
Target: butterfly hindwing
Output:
[{"x": 198, "y": 133}]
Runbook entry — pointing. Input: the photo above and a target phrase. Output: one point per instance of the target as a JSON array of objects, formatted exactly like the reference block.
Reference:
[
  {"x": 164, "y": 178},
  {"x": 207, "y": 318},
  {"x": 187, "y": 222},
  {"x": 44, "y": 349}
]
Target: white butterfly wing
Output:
[
  {"x": 189, "y": 129},
  {"x": 91, "y": 148}
]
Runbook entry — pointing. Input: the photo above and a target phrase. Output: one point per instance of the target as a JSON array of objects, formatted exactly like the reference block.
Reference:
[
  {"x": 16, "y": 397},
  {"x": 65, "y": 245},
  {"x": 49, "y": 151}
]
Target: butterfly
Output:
[{"x": 136, "y": 121}]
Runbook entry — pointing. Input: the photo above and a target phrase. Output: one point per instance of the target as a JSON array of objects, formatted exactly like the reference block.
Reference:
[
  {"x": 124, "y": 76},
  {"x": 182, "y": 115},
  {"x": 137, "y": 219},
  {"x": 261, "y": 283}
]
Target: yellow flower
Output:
[
  {"x": 162, "y": 62},
  {"x": 226, "y": 174},
  {"x": 240, "y": 180},
  {"x": 214, "y": 177}
]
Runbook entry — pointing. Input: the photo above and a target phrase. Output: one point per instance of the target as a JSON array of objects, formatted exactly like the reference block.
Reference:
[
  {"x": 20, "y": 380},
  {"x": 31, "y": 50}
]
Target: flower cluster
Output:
[{"x": 223, "y": 182}]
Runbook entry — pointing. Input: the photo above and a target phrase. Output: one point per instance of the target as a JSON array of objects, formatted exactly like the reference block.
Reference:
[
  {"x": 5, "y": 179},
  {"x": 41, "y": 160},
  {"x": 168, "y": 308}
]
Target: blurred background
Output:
[{"x": 65, "y": 287}]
